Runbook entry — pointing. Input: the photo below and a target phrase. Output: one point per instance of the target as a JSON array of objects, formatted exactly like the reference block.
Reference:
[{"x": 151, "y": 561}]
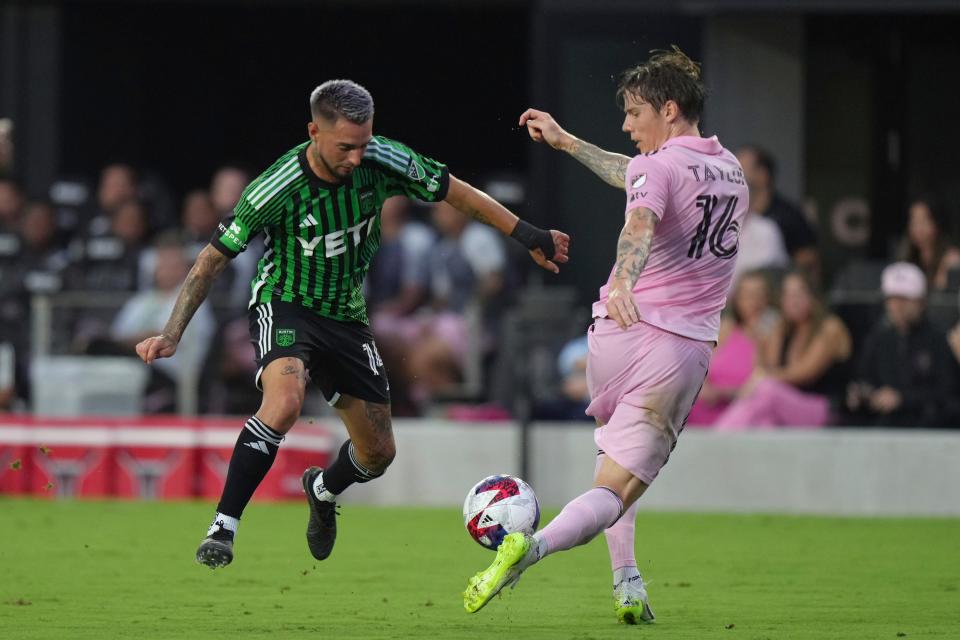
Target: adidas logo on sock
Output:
[{"x": 259, "y": 445}]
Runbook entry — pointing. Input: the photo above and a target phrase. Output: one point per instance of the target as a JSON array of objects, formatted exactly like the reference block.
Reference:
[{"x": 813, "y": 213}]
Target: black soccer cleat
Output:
[
  {"x": 322, "y": 525},
  {"x": 216, "y": 550}
]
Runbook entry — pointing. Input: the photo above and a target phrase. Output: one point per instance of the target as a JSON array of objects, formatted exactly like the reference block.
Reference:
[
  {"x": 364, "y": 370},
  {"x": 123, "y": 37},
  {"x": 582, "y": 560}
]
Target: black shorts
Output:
[{"x": 341, "y": 357}]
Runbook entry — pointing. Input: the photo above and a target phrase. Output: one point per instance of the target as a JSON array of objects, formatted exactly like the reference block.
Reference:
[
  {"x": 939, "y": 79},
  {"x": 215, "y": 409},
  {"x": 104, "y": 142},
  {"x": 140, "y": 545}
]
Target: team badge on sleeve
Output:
[
  {"x": 638, "y": 181},
  {"x": 415, "y": 171}
]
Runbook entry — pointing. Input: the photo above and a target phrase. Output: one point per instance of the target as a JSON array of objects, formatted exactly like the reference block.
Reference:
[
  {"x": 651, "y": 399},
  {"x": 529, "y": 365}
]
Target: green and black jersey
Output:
[{"x": 319, "y": 236}]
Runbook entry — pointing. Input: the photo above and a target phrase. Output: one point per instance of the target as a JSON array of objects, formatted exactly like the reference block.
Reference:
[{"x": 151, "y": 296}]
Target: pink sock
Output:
[
  {"x": 581, "y": 520},
  {"x": 620, "y": 539}
]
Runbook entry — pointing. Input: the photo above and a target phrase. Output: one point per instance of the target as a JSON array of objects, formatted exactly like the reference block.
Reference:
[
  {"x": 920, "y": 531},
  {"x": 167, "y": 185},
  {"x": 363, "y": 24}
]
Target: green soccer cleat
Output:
[
  {"x": 630, "y": 602},
  {"x": 504, "y": 571}
]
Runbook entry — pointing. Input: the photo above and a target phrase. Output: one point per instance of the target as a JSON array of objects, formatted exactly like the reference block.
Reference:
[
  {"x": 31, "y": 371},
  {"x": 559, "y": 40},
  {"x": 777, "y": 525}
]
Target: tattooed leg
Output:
[{"x": 371, "y": 433}]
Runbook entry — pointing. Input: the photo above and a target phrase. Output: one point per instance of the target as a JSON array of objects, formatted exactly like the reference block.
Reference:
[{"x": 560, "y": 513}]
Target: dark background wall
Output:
[{"x": 183, "y": 87}]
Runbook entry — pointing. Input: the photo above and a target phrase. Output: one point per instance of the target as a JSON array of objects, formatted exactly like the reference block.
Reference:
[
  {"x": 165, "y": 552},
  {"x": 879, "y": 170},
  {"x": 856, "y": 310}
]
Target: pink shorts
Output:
[{"x": 643, "y": 382}]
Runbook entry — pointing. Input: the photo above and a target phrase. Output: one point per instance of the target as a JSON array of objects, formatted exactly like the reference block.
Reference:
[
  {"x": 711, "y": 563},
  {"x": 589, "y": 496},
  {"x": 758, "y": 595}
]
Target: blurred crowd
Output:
[{"x": 443, "y": 288}]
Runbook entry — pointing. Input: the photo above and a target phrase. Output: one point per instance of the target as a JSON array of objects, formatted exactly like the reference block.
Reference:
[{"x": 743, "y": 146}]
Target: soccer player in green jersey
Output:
[{"x": 318, "y": 207}]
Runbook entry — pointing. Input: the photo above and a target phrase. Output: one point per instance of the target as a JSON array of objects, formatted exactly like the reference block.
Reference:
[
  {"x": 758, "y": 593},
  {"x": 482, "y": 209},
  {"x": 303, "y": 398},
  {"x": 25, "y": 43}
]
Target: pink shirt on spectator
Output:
[
  {"x": 730, "y": 368},
  {"x": 696, "y": 188}
]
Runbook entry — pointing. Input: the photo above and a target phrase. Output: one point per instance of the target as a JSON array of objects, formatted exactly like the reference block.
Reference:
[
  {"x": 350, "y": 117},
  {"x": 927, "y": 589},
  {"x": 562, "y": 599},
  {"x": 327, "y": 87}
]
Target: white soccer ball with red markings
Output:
[{"x": 500, "y": 505}]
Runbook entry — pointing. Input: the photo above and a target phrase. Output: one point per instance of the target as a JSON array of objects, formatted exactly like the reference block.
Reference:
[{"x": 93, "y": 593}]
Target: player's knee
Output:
[
  {"x": 284, "y": 408},
  {"x": 379, "y": 456}
]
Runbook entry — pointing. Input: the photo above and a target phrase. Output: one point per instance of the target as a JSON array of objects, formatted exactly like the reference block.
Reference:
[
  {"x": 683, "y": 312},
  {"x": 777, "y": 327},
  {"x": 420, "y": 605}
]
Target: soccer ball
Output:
[{"x": 497, "y": 506}]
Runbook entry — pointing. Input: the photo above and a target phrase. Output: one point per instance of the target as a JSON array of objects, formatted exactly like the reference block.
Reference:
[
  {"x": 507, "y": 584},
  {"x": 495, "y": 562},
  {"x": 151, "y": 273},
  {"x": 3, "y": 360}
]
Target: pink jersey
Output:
[{"x": 696, "y": 188}]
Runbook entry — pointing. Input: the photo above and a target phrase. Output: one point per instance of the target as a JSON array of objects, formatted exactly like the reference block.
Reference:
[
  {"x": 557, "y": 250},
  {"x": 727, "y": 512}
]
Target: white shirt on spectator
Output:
[
  {"x": 761, "y": 246},
  {"x": 147, "y": 313}
]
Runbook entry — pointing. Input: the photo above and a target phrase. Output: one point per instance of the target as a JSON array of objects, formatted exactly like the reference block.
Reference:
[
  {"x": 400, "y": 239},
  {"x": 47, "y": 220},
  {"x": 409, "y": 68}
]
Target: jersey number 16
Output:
[{"x": 720, "y": 246}]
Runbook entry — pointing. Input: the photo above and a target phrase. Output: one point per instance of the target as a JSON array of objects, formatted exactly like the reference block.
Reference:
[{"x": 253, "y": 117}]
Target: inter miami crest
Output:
[{"x": 286, "y": 337}]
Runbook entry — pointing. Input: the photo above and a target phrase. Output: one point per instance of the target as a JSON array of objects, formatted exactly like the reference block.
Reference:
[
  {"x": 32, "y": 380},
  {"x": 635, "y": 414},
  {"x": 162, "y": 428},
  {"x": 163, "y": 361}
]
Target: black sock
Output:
[
  {"x": 254, "y": 453},
  {"x": 346, "y": 470}
]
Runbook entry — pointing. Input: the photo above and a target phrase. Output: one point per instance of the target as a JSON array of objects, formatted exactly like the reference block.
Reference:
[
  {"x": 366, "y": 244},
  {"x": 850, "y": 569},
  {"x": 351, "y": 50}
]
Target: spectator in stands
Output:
[
  {"x": 953, "y": 337},
  {"x": 41, "y": 249},
  {"x": 109, "y": 263},
  {"x": 574, "y": 395},
  {"x": 6, "y": 147},
  {"x": 466, "y": 267},
  {"x": 927, "y": 242},
  {"x": 397, "y": 287},
  {"x": 800, "y": 238},
  {"x": 399, "y": 277},
  {"x": 199, "y": 217},
  {"x": 226, "y": 187},
  {"x": 198, "y": 220},
  {"x": 118, "y": 185},
  {"x": 11, "y": 205},
  {"x": 742, "y": 331},
  {"x": 146, "y": 313},
  {"x": 801, "y": 368},
  {"x": 761, "y": 246},
  {"x": 906, "y": 377},
  {"x": 8, "y": 377}
]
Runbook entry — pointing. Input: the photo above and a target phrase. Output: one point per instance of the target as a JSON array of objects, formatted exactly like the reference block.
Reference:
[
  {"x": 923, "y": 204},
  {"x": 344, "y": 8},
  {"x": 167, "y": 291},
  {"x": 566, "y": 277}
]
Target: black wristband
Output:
[{"x": 533, "y": 238}]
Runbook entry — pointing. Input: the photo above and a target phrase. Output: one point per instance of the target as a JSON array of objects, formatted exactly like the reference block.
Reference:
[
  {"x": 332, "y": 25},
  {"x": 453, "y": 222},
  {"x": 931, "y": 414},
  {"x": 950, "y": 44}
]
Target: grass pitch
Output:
[{"x": 76, "y": 570}]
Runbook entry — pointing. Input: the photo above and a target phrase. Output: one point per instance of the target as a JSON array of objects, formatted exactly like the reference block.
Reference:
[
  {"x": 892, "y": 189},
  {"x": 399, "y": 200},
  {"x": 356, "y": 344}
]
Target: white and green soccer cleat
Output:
[
  {"x": 504, "y": 571},
  {"x": 630, "y": 602}
]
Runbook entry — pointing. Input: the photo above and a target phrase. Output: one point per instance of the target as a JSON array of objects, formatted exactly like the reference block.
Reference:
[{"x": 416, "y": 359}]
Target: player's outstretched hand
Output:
[
  {"x": 543, "y": 128},
  {"x": 621, "y": 307},
  {"x": 561, "y": 245},
  {"x": 156, "y": 347}
]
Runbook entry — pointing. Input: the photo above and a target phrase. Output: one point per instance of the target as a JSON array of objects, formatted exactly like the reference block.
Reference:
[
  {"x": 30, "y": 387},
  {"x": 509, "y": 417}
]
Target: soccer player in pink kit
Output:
[{"x": 657, "y": 318}]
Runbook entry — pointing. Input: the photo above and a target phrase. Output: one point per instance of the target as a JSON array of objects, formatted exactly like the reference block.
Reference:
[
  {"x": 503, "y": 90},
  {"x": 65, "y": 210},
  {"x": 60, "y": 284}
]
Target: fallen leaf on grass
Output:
[{"x": 730, "y": 626}]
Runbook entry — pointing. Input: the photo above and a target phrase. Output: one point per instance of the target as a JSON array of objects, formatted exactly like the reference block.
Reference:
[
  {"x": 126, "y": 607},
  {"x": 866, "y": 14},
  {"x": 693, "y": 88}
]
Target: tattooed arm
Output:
[
  {"x": 633, "y": 249},
  {"x": 195, "y": 288},
  {"x": 611, "y": 167},
  {"x": 545, "y": 247}
]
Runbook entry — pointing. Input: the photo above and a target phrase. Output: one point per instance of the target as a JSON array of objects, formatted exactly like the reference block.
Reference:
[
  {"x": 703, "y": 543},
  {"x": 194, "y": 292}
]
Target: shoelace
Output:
[{"x": 328, "y": 514}]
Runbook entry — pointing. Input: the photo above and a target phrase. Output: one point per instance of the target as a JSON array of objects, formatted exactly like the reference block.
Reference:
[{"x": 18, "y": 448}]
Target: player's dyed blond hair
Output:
[{"x": 667, "y": 75}]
